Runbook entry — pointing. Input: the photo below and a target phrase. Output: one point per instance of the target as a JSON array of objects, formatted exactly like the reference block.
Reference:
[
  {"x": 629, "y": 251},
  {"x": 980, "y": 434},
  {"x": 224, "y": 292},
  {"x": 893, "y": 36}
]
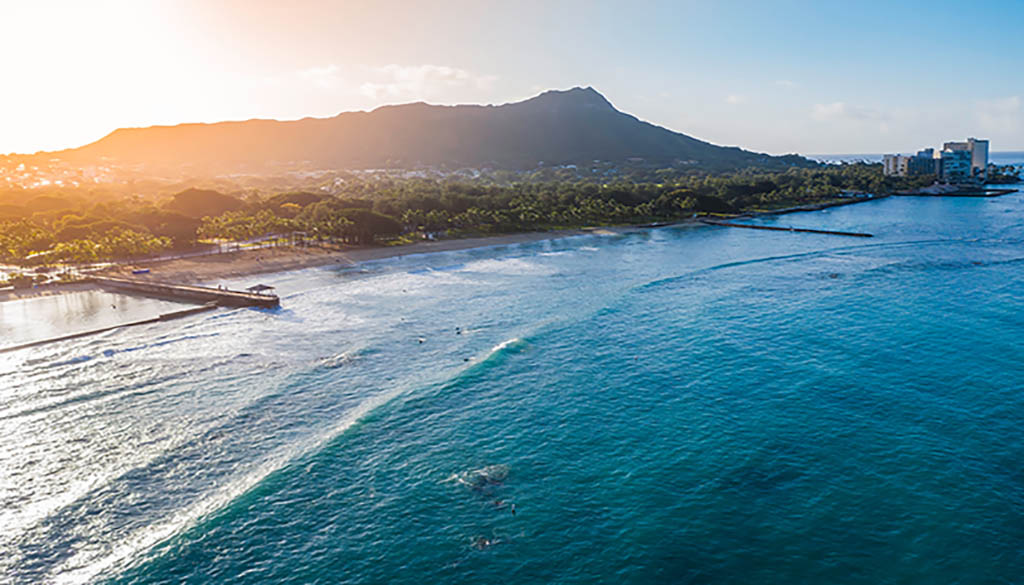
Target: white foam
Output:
[
  {"x": 512, "y": 266},
  {"x": 84, "y": 566}
]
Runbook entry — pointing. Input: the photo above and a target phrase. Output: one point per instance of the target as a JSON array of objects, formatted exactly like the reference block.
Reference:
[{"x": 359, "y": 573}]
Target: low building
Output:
[
  {"x": 923, "y": 163},
  {"x": 895, "y": 165},
  {"x": 955, "y": 166}
]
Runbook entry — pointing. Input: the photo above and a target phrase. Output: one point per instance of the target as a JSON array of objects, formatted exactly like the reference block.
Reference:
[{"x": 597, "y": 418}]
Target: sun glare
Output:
[{"x": 82, "y": 65}]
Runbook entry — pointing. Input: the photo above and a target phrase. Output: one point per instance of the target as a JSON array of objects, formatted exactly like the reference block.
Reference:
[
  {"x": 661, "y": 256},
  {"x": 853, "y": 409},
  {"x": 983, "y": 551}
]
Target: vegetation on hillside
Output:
[{"x": 69, "y": 226}]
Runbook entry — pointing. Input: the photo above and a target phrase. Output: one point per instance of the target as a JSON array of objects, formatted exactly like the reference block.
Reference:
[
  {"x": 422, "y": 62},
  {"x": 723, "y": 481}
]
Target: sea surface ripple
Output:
[{"x": 676, "y": 405}]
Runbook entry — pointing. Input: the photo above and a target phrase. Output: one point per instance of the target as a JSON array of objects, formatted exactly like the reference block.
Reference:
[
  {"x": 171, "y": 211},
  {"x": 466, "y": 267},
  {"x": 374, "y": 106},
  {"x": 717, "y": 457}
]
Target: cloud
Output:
[
  {"x": 385, "y": 82},
  {"x": 322, "y": 77},
  {"x": 399, "y": 81},
  {"x": 999, "y": 115},
  {"x": 845, "y": 111},
  {"x": 734, "y": 99}
]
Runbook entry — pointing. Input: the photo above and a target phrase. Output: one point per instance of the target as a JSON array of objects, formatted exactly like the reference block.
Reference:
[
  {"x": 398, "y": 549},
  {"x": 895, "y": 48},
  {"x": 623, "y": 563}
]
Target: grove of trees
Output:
[{"x": 80, "y": 227}]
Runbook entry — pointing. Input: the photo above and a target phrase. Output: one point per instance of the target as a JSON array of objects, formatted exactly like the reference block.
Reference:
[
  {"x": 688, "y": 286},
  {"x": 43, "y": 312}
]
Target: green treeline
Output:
[{"x": 79, "y": 227}]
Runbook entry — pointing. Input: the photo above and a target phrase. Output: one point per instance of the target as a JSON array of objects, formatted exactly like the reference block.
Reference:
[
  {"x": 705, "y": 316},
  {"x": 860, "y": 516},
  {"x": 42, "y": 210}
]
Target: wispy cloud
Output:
[
  {"x": 399, "y": 81},
  {"x": 844, "y": 111},
  {"x": 1000, "y": 115},
  {"x": 385, "y": 82},
  {"x": 734, "y": 99},
  {"x": 322, "y": 77}
]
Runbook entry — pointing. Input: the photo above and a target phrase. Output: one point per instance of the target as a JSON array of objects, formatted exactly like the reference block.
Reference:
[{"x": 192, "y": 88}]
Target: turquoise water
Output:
[{"x": 679, "y": 405}]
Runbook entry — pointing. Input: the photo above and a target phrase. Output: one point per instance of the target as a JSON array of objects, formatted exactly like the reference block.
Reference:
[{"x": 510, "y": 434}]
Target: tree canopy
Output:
[{"x": 83, "y": 225}]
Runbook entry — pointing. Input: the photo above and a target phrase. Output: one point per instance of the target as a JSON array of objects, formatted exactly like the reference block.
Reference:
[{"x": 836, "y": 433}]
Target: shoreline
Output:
[
  {"x": 231, "y": 265},
  {"x": 210, "y": 269}
]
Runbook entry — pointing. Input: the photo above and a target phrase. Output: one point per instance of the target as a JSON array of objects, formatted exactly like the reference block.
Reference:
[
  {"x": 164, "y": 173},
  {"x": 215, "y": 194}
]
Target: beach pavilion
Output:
[{"x": 259, "y": 289}]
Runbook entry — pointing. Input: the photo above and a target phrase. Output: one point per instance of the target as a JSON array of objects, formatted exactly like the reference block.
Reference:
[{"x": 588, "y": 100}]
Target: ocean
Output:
[
  {"x": 1001, "y": 158},
  {"x": 675, "y": 405}
]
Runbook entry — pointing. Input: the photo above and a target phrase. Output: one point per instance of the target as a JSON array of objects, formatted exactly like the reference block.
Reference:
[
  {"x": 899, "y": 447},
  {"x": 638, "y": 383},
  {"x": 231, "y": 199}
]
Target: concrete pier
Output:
[{"x": 189, "y": 293}]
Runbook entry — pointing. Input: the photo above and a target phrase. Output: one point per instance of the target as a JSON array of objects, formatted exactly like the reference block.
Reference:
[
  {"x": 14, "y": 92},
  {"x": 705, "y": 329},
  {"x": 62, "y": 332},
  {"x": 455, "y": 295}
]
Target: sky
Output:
[{"x": 778, "y": 77}]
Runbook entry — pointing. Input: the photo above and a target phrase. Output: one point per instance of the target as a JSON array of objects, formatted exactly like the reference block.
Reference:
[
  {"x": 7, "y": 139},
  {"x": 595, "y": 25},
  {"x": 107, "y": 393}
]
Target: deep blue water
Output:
[{"x": 679, "y": 405}]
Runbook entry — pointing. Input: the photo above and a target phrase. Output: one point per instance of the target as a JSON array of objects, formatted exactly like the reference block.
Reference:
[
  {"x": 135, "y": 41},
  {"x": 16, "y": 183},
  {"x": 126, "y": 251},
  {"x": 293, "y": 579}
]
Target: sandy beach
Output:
[
  {"x": 211, "y": 268},
  {"x": 208, "y": 269}
]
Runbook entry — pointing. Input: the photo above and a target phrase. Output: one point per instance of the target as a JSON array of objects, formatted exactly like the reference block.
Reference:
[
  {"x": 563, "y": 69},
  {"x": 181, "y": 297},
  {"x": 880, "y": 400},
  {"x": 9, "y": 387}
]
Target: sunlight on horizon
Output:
[
  {"x": 770, "y": 79},
  {"x": 137, "y": 64},
  {"x": 122, "y": 64},
  {"x": 111, "y": 56}
]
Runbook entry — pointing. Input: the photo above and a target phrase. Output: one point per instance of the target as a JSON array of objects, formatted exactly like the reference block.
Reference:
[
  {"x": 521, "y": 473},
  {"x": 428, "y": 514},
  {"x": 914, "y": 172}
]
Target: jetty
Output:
[
  {"x": 957, "y": 192},
  {"x": 785, "y": 229},
  {"x": 207, "y": 298},
  {"x": 257, "y": 296},
  {"x": 817, "y": 206},
  {"x": 164, "y": 317}
]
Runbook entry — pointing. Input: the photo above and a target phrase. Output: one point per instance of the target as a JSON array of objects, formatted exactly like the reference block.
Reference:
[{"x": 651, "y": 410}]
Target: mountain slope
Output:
[{"x": 556, "y": 127}]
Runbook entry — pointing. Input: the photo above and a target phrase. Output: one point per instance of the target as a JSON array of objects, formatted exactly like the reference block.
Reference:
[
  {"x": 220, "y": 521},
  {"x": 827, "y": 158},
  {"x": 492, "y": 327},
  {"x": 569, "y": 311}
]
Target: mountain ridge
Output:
[{"x": 573, "y": 126}]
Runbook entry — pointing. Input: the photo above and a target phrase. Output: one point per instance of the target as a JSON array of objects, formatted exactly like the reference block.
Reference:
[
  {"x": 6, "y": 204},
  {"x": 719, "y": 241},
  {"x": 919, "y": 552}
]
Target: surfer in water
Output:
[{"x": 482, "y": 543}]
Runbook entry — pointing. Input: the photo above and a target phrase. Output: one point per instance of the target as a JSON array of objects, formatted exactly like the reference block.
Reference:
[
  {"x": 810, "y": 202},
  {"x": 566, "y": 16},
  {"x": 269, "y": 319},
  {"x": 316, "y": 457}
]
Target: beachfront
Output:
[{"x": 212, "y": 268}]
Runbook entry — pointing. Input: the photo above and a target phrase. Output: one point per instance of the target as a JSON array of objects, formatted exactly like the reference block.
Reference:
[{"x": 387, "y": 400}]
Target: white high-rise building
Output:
[{"x": 979, "y": 158}]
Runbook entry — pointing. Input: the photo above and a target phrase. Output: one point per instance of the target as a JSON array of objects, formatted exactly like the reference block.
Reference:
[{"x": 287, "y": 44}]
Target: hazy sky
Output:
[{"x": 778, "y": 76}]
